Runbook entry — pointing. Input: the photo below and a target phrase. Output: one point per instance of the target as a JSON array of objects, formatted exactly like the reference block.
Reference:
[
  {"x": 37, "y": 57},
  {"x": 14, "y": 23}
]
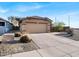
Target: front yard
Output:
[
  {"x": 8, "y": 49},
  {"x": 11, "y": 45},
  {"x": 43, "y": 45}
]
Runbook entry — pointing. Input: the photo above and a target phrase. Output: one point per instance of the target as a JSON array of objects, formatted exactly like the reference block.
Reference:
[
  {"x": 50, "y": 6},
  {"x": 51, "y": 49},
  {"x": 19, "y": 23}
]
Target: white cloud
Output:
[
  {"x": 2, "y": 10},
  {"x": 23, "y": 8},
  {"x": 34, "y": 6}
]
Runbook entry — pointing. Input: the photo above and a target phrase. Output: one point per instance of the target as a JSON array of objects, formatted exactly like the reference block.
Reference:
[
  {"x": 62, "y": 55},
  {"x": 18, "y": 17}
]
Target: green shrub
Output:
[{"x": 25, "y": 39}]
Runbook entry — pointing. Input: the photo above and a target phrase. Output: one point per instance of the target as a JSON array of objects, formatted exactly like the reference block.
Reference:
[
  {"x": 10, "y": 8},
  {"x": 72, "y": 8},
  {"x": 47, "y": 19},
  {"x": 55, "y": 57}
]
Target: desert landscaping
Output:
[
  {"x": 34, "y": 34},
  {"x": 39, "y": 29}
]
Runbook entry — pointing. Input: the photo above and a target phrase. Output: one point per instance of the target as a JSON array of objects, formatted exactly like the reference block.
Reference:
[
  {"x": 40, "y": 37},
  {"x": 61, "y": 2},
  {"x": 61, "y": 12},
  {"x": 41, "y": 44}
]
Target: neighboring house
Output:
[
  {"x": 5, "y": 26},
  {"x": 35, "y": 24}
]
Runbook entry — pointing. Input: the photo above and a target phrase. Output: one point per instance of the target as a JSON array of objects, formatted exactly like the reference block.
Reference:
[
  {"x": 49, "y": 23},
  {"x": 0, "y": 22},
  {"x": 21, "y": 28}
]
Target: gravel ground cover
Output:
[{"x": 8, "y": 49}]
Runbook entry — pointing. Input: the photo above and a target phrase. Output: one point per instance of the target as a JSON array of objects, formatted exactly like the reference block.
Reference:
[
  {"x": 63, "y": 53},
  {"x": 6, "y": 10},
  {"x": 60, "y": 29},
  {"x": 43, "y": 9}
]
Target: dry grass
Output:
[{"x": 8, "y": 49}]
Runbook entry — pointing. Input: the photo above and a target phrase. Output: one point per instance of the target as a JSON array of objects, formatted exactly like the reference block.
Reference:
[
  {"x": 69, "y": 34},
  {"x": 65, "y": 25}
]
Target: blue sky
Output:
[{"x": 58, "y": 10}]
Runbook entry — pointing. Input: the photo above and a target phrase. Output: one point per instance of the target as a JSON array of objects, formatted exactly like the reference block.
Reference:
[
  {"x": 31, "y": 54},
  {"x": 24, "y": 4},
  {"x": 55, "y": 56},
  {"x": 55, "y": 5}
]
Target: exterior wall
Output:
[
  {"x": 24, "y": 22},
  {"x": 6, "y": 28},
  {"x": 2, "y": 28}
]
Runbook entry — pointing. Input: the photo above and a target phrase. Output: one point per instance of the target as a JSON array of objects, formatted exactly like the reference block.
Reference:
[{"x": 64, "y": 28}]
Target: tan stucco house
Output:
[{"x": 35, "y": 24}]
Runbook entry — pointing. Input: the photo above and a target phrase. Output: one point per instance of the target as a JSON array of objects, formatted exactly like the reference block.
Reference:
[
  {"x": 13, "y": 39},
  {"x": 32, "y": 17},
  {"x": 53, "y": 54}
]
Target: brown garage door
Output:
[{"x": 35, "y": 28}]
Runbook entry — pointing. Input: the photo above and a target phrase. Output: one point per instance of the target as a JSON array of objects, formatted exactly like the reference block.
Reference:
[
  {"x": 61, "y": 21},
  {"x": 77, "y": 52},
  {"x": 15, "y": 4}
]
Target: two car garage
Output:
[
  {"x": 35, "y": 25},
  {"x": 35, "y": 28}
]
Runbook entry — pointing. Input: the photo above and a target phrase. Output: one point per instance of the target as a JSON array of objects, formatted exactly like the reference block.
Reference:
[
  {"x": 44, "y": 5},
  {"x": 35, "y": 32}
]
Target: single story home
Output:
[
  {"x": 35, "y": 24},
  {"x": 5, "y": 26}
]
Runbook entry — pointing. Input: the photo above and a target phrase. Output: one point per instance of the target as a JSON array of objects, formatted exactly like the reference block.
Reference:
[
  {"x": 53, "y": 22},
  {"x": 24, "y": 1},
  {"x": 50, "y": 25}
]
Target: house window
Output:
[{"x": 2, "y": 23}]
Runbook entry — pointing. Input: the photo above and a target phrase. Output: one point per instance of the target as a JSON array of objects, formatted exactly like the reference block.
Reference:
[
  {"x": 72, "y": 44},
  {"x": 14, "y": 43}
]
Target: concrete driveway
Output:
[{"x": 51, "y": 45}]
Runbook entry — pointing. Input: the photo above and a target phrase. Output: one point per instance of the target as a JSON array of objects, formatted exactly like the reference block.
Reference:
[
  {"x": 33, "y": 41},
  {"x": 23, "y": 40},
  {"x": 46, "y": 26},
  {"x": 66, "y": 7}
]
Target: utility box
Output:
[{"x": 76, "y": 34}]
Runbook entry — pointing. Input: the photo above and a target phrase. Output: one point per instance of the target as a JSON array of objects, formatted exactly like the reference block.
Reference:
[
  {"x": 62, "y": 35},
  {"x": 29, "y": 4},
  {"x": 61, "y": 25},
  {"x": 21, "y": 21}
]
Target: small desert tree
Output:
[
  {"x": 14, "y": 19},
  {"x": 10, "y": 18},
  {"x": 59, "y": 26}
]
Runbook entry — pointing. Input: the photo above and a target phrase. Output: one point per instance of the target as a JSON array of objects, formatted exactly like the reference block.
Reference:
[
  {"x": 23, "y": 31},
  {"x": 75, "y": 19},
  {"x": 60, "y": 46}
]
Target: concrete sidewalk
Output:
[{"x": 51, "y": 46}]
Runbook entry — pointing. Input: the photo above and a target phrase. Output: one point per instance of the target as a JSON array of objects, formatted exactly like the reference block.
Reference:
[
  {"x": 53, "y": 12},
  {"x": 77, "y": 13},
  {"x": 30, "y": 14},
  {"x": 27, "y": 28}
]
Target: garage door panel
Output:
[{"x": 35, "y": 28}]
